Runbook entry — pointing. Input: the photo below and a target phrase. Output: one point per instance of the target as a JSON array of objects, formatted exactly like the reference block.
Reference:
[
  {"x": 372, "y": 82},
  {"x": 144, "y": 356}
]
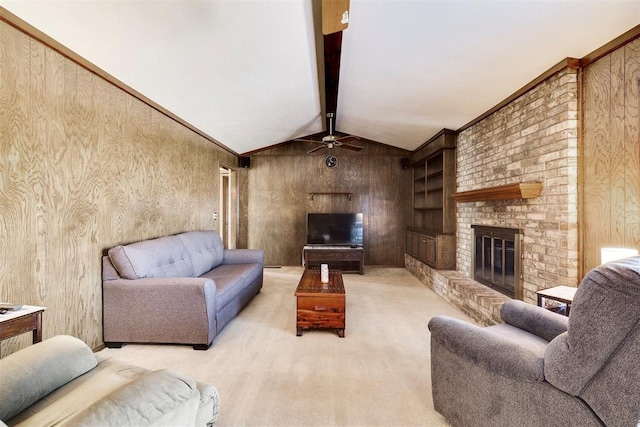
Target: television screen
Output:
[{"x": 334, "y": 229}]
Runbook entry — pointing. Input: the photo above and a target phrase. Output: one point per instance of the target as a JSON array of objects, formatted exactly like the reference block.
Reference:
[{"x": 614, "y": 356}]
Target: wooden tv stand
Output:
[{"x": 344, "y": 258}]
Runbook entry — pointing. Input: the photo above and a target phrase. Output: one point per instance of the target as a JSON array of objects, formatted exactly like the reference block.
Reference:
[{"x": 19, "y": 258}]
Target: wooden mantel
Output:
[{"x": 521, "y": 190}]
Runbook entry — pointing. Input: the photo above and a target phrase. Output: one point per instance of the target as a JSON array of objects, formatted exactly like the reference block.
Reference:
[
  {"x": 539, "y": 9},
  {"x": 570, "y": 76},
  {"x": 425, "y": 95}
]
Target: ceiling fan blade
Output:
[
  {"x": 335, "y": 16},
  {"x": 309, "y": 140},
  {"x": 320, "y": 147},
  {"x": 347, "y": 138},
  {"x": 350, "y": 147}
]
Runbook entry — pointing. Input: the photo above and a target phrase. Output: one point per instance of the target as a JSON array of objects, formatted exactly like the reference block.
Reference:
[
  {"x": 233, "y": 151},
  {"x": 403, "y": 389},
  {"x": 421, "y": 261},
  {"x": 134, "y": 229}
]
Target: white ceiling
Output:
[{"x": 245, "y": 73}]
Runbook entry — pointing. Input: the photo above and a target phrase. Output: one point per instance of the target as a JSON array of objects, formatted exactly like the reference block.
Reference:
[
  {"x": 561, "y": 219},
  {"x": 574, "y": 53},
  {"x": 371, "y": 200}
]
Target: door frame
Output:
[{"x": 229, "y": 206}]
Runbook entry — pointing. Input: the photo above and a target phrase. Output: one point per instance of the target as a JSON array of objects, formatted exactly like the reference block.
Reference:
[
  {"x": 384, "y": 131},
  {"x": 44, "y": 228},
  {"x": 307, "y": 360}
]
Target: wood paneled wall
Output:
[
  {"x": 280, "y": 180},
  {"x": 611, "y": 153},
  {"x": 85, "y": 166}
]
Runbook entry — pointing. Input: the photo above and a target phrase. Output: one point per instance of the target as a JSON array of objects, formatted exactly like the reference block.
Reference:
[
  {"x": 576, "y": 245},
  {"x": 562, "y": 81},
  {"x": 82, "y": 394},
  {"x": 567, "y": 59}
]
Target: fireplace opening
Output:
[{"x": 497, "y": 259}]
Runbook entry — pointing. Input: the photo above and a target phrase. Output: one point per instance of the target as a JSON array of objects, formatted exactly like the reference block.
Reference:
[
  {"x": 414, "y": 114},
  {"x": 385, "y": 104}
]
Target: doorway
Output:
[{"x": 228, "y": 221}]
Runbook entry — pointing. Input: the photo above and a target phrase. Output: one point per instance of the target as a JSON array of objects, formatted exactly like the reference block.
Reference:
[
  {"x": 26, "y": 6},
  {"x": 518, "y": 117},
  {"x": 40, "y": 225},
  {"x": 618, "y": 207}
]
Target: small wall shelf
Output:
[
  {"x": 349, "y": 195},
  {"x": 522, "y": 190}
]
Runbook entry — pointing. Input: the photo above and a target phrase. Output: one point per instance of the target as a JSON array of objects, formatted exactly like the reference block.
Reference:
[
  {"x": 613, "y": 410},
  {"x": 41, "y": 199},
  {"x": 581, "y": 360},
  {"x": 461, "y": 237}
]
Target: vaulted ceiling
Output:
[{"x": 245, "y": 72}]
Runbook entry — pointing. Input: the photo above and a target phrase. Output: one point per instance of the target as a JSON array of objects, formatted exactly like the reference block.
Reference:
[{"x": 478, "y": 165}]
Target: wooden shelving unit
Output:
[
  {"x": 432, "y": 237},
  {"x": 521, "y": 190},
  {"x": 433, "y": 182},
  {"x": 419, "y": 187}
]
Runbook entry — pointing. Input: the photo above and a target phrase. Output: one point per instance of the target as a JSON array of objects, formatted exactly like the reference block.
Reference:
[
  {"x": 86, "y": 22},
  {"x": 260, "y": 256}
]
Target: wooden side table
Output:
[
  {"x": 562, "y": 294},
  {"x": 27, "y": 319}
]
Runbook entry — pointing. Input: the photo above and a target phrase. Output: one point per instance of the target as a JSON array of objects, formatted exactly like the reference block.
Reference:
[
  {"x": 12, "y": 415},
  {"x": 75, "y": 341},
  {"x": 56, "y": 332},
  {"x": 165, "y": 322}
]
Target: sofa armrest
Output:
[
  {"x": 243, "y": 256},
  {"x": 32, "y": 373},
  {"x": 209, "y": 405},
  {"x": 160, "y": 309},
  {"x": 161, "y": 397},
  {"x": 167, "y": 293},
  {"x": 487, "y": 350},
  {"x": 533, "y": 319}
]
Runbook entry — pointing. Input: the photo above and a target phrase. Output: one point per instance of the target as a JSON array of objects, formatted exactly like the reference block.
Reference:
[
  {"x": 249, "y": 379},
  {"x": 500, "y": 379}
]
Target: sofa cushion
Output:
[
  {"x": 231, "y": 280},
  {"x": 187, "y": 254},
  {"x": 522, "y": 337},
  {"x": 34, "y": 372},
  {"x": 205, "y": 249},
  {"x": 161, "y": 257},
  {"x": 160, "y": 397}
]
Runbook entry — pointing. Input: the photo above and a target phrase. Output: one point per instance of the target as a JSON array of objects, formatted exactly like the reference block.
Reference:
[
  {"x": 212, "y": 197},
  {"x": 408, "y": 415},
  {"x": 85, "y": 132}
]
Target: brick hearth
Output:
[{"x": 477, "y": 301}]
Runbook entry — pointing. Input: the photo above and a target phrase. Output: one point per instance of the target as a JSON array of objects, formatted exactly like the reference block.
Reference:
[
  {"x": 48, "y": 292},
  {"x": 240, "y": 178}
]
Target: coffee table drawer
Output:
[
  {"x": 321, "y": 304},
  {"x": 315, "y": 320}
]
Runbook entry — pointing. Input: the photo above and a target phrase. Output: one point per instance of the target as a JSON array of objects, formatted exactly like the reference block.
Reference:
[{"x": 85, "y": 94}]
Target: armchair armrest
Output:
[
  {"x": 536, "y": 320},
  {"x": 243, "y": 256},
  {"x": 487, "y": 350}
]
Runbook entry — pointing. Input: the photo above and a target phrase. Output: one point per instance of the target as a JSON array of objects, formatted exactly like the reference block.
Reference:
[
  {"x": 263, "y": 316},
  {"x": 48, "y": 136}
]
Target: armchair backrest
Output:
[{"x": 598, "y": 358}]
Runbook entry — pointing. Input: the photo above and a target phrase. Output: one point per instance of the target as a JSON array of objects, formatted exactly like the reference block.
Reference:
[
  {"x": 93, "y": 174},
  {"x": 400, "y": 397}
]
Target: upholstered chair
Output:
[{"x": 540, "y": 368}]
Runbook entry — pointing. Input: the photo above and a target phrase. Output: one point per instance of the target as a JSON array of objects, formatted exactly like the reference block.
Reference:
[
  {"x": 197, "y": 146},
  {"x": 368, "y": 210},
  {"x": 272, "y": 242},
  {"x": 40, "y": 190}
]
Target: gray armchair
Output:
[{"x": 539, "y": 368}]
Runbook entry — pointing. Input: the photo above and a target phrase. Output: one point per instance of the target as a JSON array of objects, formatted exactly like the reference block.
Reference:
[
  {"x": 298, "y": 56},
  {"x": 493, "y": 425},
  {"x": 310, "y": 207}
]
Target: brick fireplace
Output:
[{"x": 532, "y": 138}]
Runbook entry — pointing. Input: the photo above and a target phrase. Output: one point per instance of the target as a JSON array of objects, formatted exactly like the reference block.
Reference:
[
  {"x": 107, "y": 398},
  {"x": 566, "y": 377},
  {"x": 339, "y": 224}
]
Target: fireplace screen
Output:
[{"x": 497, "y": 259}]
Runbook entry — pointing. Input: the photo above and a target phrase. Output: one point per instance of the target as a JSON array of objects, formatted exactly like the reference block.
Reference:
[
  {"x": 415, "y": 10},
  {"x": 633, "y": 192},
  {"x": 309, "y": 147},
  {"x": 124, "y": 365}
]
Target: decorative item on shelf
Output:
[
  {"x": 324, "y": 273},
  {"x": 612, "y": 254}
]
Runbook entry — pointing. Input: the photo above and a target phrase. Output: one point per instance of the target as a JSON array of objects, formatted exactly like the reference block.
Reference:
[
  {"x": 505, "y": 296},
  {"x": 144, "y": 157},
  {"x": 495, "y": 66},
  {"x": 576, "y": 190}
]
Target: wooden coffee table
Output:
[{"x": 320, "y": 305}]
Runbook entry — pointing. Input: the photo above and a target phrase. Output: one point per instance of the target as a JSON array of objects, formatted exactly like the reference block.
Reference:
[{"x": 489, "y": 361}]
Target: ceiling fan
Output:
[
  {"x": 335, "y": 18},
  {"x": 332, "y": 140}
]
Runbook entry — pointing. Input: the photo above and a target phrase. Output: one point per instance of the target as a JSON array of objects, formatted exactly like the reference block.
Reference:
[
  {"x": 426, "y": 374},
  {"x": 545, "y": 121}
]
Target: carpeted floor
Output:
[{"x": 377, "y": 375}]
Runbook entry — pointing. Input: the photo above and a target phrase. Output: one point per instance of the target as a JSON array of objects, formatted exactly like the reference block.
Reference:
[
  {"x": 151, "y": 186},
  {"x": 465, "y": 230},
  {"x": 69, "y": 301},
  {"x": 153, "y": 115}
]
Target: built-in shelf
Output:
[
  {"x": 522, "y": 190},
  {"x": 349, "y": 195}
]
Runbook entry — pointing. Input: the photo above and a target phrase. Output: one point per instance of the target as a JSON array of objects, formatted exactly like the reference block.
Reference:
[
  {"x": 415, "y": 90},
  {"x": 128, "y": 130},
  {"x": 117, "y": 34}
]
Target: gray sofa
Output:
[
  {"x": 543, "y": 369},
  {"x": 60, "y": 382},
  {"x": 180, "y": 289}
]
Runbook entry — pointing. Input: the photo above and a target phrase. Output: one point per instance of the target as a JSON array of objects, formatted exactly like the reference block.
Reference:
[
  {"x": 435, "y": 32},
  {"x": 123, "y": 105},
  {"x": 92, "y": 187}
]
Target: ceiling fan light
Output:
[{"x": 330, "y": 145}]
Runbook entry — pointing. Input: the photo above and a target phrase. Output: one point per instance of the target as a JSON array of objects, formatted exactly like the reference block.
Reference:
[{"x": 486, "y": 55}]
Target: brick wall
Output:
[{"x": 534, "y": 138}]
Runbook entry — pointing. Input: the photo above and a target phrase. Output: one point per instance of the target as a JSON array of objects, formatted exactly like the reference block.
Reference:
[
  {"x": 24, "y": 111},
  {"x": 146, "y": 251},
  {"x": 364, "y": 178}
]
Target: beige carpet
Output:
[{"x": 377, "y": 375}]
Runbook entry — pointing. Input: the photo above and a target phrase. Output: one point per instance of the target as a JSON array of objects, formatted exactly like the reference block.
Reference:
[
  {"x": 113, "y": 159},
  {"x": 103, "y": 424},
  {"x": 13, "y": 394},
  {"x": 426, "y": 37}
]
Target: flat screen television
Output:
[{"x": 338, "y": 229}]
